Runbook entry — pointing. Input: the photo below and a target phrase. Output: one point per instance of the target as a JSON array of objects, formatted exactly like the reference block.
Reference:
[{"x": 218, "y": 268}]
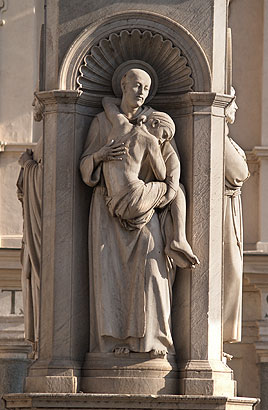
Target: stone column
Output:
[
  {"x": 64, "y": 270},
  {"x": 262, "y": 151},
  {"x": 197, "y": 316}
]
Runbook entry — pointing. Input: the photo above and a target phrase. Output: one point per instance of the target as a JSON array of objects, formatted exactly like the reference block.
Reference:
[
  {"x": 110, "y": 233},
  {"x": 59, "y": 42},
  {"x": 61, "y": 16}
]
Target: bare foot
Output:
[
  {"x": 158, "y": 354},
  {"x": 121, "y": 351},
  {"x": 185, "y": 248}
]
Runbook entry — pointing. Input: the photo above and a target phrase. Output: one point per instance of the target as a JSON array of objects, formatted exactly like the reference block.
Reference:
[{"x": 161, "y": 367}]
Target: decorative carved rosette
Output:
[{"x": 108, "y": 61}]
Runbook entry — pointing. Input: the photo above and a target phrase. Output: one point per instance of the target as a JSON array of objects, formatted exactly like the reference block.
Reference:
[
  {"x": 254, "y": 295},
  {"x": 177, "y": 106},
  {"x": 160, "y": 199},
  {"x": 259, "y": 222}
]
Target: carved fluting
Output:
[{"x": 173, "y": 75}]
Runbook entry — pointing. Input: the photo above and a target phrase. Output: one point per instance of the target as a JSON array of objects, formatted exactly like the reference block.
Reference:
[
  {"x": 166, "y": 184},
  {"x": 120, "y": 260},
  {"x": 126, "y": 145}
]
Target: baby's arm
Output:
[{"x": 156, "y": 159}]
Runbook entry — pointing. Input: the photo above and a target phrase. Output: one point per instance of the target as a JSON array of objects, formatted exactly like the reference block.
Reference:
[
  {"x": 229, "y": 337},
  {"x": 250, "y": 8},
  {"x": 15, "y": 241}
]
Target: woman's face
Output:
[{"x": 231, "y": 111}]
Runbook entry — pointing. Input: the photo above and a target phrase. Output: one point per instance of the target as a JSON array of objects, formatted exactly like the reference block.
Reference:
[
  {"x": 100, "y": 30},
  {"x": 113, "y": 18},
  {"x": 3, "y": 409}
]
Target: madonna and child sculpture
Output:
[{"x": 136, "y": 225}]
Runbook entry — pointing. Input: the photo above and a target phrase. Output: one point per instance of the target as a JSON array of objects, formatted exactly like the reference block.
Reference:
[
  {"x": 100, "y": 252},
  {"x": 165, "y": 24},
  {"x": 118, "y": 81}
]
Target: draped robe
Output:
[
  {"x": 236, "y": 172},
  {"x": 129, "y": 277},
  {"x": 30, "y": 193}
]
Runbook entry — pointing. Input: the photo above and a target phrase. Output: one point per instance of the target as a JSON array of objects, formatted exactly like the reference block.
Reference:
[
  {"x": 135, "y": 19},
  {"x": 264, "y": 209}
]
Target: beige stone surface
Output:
[
  {"x": 73, "y": 20},
  {"x": 114, "y": 401},
  {"x": 51, "y": 384},
  {"x": 12, "y": 343},
  {"x": 203, "y": 138},
  {"x": 63, "y": 334},
  {"x": 21, "y": 34},
  {"x": 250, "y": 127},
  {"x": 22, "y": 27},
  {"x": 246, "y": 19},
  {"x": 248, "y": 82},
  {"x": 10, "y": 269},
  {"x": 138, "y": 373},
  {"x": 250, "y": 356}
]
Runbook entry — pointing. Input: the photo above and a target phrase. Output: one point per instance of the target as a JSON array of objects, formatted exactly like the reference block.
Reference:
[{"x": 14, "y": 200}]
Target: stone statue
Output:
[
  {"x": 29, "y": 193},
  {"x": 130, "y": 161},
  {"x": 130, "y": 198},
  {"x": 236, "y": 173}
]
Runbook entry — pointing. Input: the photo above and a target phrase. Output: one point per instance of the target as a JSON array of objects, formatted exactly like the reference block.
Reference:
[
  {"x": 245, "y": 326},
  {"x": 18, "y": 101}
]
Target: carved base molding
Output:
[
  {"x": 136, "y": 373},
  {"x": 10, "y": 241},
  {"x": 206, "y": 377},
  {"x": 124, "y": 401}
]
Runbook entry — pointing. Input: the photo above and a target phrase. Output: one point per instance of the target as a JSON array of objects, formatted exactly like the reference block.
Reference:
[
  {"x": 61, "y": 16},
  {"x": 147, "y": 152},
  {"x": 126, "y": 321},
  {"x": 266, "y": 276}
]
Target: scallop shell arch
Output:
[
  {"x": 128, "y": 21},
  {"x": 149, "y": 51}
]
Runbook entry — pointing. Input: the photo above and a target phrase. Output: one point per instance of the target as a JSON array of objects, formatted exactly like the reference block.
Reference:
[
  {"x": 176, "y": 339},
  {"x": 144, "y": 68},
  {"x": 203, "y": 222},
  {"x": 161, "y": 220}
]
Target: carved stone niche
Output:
[
  {"x": 107, "y": 62},
  {"x": 177, "y": 59},
  {"x": 99, "y": 75},
  {"x": 182, "y": 87},
  {"x": 94, "y": 65}
]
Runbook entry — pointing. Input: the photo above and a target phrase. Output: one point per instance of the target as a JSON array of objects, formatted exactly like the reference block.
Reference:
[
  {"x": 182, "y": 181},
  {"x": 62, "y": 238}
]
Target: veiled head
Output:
[{"x": 38, "y": 108}]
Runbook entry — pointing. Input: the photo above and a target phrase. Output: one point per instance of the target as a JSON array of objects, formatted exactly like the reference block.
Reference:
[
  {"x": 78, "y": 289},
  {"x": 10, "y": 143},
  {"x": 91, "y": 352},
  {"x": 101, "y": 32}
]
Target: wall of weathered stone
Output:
[
  {"x": 246, "y": 20},
  {"x": 19, "y": 67}
]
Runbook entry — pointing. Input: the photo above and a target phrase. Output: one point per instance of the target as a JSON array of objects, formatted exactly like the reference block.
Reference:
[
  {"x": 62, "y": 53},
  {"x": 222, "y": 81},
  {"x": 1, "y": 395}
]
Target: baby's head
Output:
[{"x": 160, "y": 125}]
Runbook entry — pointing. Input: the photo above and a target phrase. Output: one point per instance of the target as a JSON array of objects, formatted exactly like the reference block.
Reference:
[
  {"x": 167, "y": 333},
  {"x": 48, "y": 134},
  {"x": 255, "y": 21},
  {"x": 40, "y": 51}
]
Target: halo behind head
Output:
[{"x": 132, "y": 64}]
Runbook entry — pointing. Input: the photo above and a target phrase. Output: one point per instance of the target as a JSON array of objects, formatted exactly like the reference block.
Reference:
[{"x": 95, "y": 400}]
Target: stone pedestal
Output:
[
  {"x": 124, "y": 401},
  {"x": 138, "y": 373}
]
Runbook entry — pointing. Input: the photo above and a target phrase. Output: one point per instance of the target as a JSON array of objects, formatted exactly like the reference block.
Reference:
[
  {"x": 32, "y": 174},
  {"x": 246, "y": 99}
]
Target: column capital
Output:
[
  {"x": 193, "y": 102},
  {"x": 261, "y": 152},
  {"x": 58, "y": 97}
]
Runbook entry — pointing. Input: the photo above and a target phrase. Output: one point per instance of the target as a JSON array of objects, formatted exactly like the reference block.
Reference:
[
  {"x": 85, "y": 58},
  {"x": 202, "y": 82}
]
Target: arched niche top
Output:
[{"x": 159, "y": 27}]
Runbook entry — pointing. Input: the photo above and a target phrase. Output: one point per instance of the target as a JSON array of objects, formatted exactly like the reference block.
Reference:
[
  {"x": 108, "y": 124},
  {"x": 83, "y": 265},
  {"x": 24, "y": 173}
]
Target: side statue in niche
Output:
[
  {"x": 236, "y": 173},
  {"x": 29, "y": 191},
  {"x": 136, "y": 225}
]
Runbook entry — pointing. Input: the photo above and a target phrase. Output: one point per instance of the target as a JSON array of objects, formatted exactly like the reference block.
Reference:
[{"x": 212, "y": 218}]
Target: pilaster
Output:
[
  {"x": 198, "y": 294},
  {"x": 261, "y": 153},
  {"x": 64, "y": 272}
]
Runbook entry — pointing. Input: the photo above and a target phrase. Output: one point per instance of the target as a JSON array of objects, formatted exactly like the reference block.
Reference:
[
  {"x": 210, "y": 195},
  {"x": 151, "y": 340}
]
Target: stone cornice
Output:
[
  {"x": 210, "y": 99},
  {"x": 257, "y": 154},
  {"x": 251, "y": 157},
  {"x": 195, "y": 101},
  {"x": 182, "y": 103},
  {"x": 261, "y": 152},
  {"x": 15, "y": 146},
  {"x": 58, "y": 97},
  {"x": 116, "y": 401},
  {"x": 256, "y": 267}
]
